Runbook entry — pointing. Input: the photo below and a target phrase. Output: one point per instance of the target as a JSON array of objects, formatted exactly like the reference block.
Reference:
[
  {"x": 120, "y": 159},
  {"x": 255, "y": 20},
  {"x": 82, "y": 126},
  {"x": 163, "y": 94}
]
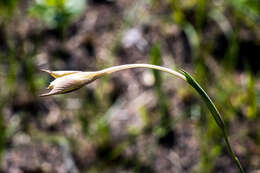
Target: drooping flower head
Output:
[{"x": 68, "y": 81}]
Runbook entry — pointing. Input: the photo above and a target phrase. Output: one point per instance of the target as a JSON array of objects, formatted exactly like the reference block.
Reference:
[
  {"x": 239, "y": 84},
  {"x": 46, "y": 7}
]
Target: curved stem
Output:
[
  {"x": 187, "y": 77},
  {"x": 128, "y": 66},
  {"x": 67, "y": 82}
]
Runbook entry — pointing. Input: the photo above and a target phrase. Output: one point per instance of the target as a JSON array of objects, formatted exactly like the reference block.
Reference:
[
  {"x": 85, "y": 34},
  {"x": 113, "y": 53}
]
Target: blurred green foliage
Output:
[
  {"x": 2, "y": 135},
  {"x": 7, "y": 7},
  {"x": 58, "y": 13},
  {"x": 165, "y": 125}
]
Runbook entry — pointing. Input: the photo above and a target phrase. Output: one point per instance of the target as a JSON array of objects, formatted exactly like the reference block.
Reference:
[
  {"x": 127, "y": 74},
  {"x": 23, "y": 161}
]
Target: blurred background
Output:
[{"x": 138, "y": 120}]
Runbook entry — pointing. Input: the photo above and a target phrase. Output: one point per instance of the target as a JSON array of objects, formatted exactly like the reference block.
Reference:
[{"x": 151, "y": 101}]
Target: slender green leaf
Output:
[{"x": 215, "y": 113}]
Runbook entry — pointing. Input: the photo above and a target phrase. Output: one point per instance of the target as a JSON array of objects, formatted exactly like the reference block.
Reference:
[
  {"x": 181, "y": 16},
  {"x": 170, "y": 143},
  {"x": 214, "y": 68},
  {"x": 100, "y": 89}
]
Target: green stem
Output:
[
  {"x": 234, "y": 157},
  {"x": 215, "y": 113}
]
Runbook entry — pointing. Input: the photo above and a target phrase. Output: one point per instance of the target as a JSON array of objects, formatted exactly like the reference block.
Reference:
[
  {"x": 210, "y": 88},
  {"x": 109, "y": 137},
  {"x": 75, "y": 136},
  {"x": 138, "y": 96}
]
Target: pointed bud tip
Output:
[
  {"x": 47, "y": 71},
  {"x": 46, "y": 94}
]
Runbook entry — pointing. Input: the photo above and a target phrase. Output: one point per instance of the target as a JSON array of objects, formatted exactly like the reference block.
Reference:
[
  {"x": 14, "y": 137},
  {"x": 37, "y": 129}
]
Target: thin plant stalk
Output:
[
  {"x": 68, "y": 81},
  {"x": 129, "y": 66},
  {"x": 215, "y": 113}
]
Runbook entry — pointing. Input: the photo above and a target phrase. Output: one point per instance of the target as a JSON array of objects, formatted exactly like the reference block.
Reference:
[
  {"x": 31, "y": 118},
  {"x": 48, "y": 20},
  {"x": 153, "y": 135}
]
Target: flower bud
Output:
[{"x": 68, "y": 81}]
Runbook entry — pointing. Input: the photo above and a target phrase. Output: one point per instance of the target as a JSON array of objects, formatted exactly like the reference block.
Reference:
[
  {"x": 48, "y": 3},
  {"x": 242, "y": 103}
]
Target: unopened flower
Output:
[{"x": 68, "y": 81}]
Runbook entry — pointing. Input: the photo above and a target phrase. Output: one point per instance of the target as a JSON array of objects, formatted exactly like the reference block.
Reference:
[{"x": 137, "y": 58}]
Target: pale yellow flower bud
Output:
[{"x": 68, "y": 81}]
